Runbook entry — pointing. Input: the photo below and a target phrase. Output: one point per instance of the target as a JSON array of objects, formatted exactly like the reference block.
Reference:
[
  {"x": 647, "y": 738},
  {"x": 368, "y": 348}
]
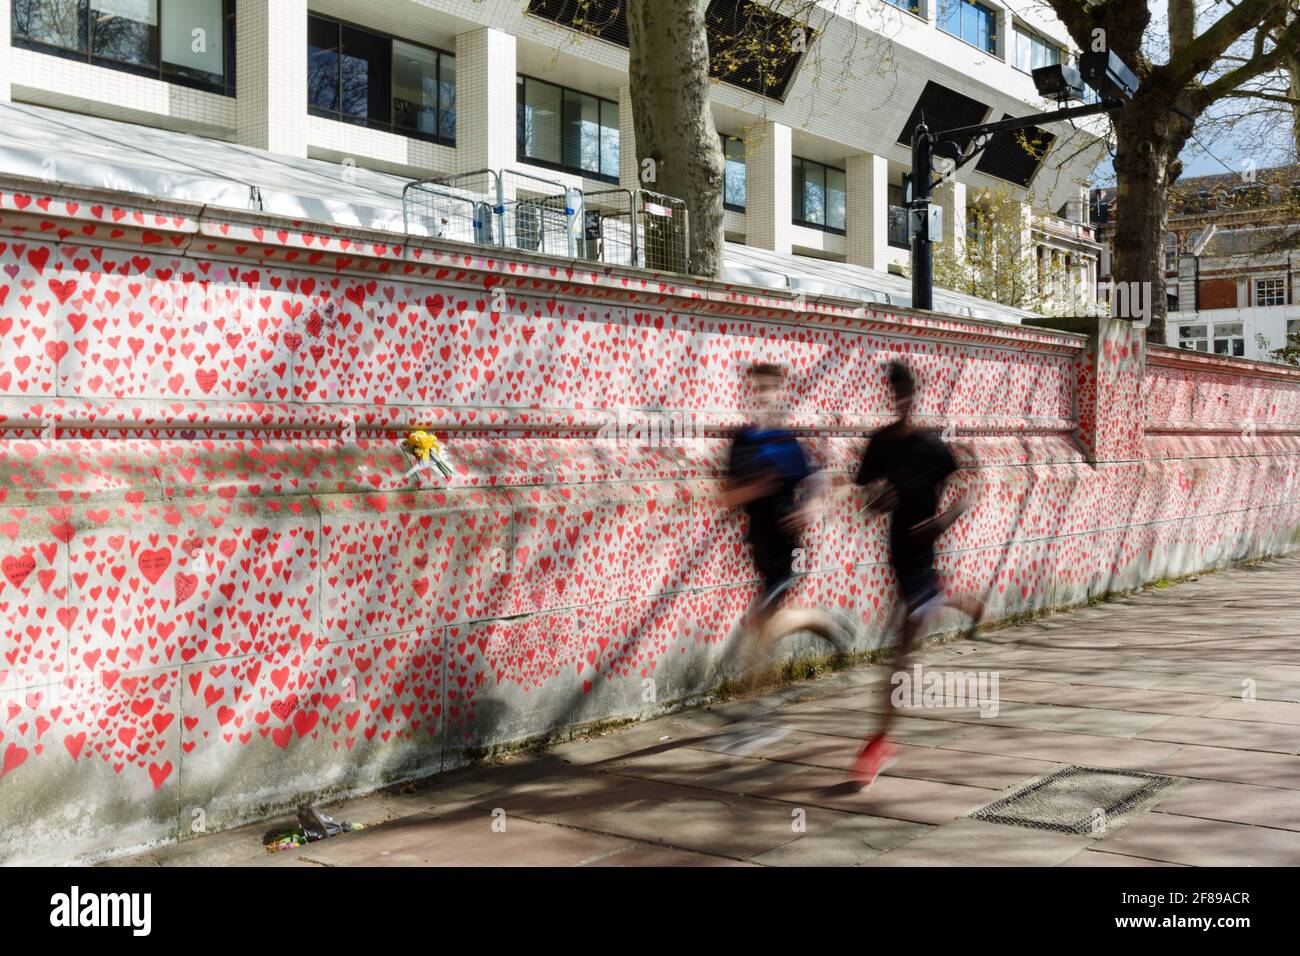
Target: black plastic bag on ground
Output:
[{"x": 317, "y": 825}]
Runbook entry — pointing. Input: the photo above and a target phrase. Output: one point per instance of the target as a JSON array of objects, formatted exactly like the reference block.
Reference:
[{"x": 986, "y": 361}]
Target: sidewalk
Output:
[{"x": 1152, "y": 682}]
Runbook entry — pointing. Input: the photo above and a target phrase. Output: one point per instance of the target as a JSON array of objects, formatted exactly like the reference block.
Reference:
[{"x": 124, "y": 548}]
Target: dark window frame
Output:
[
  {"x": 907, "y": 6},
  {"x": 992, "y": 50},
  {"x": 1233, "y": 340},
  {"x": 158, "y": 70},
  {"x": 796, "y": 215},
  {"x": 731, "y": 206},
  {"x": 561, "y": 166},
  {"x": 1277, "y": 283},
  {"x": 390, "y": 125},
  {"x": 1017, "y": 29}
]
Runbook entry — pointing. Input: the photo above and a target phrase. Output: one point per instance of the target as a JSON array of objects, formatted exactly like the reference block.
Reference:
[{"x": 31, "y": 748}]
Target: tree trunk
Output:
[
  {"x": 1293, "y": 90},
  {"x": 1142, "y": 215},
  {"x": 1149, "y": 135},
  {"x": 669, "y": 73}
]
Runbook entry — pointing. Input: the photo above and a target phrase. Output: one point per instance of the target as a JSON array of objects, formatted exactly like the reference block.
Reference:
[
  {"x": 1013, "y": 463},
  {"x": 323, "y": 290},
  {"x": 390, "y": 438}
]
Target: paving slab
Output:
[
  {"x": 1265, "y": 711},
  {"x": 901, "y": 798},
  {"x": 704, "y": 769},
  {"x": 1090, "y": 857},
  {"x": 1195, "y": 841},
  {"x": 463, "y": 838},
  {"x": 1231, "y": 686},
  {"x": 1104, "y": 723},
  {"x": 1235, "y": 766},
  {"x": 1235, "y": 803},
  {"x": 1239, "y": 734},
  {"x": 930, "y": 731},
  {"x": 682, "y": 817},
  {"x": 850, "y": 842},
  {"x": 640, "y": 854},
  {"x": 979, "y": 843},
  {"x": 1083, "y": 749}
]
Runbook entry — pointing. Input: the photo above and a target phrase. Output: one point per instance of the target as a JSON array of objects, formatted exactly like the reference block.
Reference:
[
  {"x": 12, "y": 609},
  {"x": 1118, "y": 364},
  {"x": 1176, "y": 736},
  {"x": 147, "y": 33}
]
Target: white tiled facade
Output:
[
  {"x": 950, "y": 196},
  {"x": 768, "y": 187},
  {"x": 271, "y": 52},
  {"x": 485, "y": 100},
  {"x": 867, "y": 220},
  {"x": 845, "y": 107}
]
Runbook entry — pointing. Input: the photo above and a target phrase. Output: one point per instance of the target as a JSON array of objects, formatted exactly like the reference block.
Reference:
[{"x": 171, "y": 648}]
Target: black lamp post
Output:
[{"x": 1104, "y": 72}]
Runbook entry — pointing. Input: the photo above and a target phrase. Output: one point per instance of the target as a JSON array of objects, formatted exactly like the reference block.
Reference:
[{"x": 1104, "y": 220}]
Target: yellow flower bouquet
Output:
[{"x": 428, "y": 451}]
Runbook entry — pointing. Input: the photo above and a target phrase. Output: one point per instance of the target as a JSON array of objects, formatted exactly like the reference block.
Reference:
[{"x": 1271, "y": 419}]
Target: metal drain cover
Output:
[{"x": 1073, "y": 799}]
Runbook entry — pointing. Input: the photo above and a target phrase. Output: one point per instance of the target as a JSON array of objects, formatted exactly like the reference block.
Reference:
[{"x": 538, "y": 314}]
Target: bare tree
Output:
[{"x": 1152, "y": 129}]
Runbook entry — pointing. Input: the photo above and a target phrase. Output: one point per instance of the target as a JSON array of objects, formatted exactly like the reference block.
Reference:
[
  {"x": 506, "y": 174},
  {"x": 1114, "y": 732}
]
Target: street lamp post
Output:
[{"x": 1104, "y": 72}]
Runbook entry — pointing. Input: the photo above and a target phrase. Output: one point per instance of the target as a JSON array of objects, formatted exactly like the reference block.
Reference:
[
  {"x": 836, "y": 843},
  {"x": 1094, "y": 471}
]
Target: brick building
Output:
[{"x": 1232, "y": 260}]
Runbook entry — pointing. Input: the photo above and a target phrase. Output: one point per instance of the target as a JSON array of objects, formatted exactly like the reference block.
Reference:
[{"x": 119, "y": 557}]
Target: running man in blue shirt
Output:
[{"x": 770, "y": 476}]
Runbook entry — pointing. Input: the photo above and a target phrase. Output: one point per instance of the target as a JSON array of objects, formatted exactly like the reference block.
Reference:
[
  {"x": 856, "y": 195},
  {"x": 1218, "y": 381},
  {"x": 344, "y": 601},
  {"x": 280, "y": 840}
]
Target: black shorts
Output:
[
  {"x": 774, "y": 558},
  {"x": 919, "y": 583}
]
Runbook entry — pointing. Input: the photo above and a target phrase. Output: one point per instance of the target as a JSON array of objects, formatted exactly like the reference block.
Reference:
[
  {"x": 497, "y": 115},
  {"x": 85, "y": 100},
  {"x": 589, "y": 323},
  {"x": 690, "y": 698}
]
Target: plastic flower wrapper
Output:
[{"x": 428, "y": 451}]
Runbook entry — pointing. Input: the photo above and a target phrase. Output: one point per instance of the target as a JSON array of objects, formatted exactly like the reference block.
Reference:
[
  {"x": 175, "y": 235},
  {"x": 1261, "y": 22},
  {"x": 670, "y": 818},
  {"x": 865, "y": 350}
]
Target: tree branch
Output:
[
  {"x": 1233, "y": 79},
  {"x": 1191, "y": 61}
]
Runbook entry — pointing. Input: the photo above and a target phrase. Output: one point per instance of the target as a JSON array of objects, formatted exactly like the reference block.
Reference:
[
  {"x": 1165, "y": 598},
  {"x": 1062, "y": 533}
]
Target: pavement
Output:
[{"x": 1197, "y": 683}]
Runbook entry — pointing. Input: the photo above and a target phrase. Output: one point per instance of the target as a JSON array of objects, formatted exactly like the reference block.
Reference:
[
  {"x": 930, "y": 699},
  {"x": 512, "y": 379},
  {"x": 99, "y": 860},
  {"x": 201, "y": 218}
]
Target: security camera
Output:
[
  {"x": 1107, "y": 74},
  {"x": 1059, "y": 82}
]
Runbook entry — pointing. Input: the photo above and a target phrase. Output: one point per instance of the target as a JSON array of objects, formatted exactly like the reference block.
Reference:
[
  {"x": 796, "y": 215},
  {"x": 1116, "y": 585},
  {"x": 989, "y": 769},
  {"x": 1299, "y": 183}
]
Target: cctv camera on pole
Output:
[{"x": 1113, "y": 81}]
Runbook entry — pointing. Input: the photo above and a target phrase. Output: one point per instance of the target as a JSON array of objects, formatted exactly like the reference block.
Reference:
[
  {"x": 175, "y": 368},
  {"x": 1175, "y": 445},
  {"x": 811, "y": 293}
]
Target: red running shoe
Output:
[{"x": 878, "y": 754}]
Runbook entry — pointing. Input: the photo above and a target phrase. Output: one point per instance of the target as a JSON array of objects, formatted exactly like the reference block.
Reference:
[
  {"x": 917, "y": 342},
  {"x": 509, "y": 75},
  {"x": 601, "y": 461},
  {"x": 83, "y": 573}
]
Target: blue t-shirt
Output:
[{"x": 775, "y": 451}]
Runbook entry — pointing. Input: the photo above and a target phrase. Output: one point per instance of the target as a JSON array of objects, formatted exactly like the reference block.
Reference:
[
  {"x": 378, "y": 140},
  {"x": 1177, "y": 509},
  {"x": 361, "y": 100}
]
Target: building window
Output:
[
  {"x": 424, "y": 91},
  {"x": 972, "y": 22},
  {"x": 819, "y": 197},
  {"x": 1193, "y": 337},
  {"x": 1171, "y": 251},
  {"x": 898, "y": 217},
  {"x": 190, "y": 42},
  {"x": 733, "y": 184},
  {"x": 567, "y": 130},
  {"x": 1270, "y": 291},
  {"x": 375, "y": 80},
  {"x": 1228, "y": 339},
  {"x": 911, "y": 6},
  {"x": 1032, "y": 51},
  {"x": 125, "y": 31}
]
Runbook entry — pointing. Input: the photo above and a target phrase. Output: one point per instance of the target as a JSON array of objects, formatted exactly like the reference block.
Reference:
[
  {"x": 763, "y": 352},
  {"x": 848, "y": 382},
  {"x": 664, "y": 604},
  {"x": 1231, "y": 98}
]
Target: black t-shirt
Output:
[
  {"x": 916, "y": 464},
  {"x": 777, "y": 452}
]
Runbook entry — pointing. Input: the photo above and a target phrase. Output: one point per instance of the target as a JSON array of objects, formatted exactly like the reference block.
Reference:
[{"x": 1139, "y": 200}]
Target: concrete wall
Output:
[{"x": 220, "y": 594}]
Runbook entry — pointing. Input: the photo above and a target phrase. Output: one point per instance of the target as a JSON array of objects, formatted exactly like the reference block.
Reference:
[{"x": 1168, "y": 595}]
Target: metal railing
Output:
[
  {"x": 663, "y": 232},
  {"x": 540, "y": 215},
  {"x": 522, "y": 211},
  {"x": 609, "y": 227},
  {"x": 465, "y": 207}
]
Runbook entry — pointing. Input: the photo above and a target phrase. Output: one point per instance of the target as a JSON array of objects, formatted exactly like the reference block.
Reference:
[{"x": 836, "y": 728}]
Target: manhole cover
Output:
[{"x": 1074, "y": 799}]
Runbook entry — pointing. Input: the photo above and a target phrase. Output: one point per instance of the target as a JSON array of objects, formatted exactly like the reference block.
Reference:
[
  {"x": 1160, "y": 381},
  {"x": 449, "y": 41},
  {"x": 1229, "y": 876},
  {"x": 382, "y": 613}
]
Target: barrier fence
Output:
[
  {"x": 519, "y": 210},
  {"x": 465, "y": 207}
]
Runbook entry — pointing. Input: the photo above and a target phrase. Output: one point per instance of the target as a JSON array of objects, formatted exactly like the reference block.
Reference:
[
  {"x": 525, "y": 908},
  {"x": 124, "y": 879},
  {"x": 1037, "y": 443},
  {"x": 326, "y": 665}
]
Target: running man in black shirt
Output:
[
  {"x": 914, "y": 465},
  {"x": 770, "y": 476}
]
